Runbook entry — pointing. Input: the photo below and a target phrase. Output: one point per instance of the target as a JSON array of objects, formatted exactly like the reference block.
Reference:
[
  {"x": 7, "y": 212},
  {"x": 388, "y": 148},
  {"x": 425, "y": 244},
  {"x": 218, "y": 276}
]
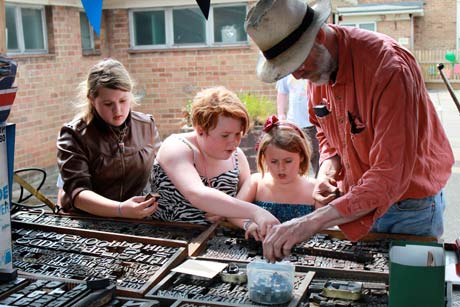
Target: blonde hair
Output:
[
  {"x": 286, "y": 136},
  {"x": 209, "y": 103},
  {"x": 108, "y": 73}
]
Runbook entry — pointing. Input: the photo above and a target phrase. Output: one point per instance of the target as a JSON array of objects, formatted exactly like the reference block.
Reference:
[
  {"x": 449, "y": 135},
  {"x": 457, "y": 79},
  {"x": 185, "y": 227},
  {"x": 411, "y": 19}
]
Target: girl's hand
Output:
[
  {"x": 253, "y": 231},
  {"x": 137, "y": 208},
  {"x": 264, "y": 220}
]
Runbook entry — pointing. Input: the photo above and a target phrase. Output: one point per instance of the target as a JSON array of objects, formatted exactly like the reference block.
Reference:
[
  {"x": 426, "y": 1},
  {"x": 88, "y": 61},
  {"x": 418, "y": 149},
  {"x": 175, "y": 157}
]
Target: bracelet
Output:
[
  {"x": 246, "y": 224},
  {"x": 119, "y": 209}
]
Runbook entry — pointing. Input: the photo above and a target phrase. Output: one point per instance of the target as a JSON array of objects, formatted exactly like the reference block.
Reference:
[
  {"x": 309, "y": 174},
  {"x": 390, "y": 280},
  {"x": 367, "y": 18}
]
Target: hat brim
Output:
[{"x": 291, "y": 59}]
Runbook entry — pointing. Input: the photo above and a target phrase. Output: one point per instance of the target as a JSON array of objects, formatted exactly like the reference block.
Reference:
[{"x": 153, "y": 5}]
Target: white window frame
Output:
[
  {"x": 91, "y": 34},
  {"x": 356, "y": 24},
  {"x": 20, "y": 30},
  {"x": 169, "y": 32}
]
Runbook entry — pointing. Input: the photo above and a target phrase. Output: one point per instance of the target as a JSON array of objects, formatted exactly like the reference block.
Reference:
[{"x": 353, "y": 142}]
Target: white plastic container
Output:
[{"x": 270, "y": 283}]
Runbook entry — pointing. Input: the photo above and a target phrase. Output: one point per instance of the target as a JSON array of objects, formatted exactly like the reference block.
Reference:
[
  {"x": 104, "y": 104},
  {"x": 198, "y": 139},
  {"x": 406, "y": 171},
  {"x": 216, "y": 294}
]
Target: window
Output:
[
  {"x": 25, "y": 29},
  {"x": 86, "y": 32},
  {"x": 149, "y": 28},
  {"x": 187, "y": 27},
  {"x": 229, "y": 24},
  {"x": 362, "y": 25}
]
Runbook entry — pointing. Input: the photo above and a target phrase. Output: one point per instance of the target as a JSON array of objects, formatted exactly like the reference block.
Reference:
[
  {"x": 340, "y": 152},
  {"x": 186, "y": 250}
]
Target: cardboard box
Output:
[{"x": 417, "y": 272}]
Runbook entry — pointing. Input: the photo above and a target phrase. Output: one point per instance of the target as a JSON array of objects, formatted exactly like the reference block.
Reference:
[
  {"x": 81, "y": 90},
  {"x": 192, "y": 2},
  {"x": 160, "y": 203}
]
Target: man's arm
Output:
[
  {"x": 283, "y": 237},
  {"x": 326, "y": 187}
]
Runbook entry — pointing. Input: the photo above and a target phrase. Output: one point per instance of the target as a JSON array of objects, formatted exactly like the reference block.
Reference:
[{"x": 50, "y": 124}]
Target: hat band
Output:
[{"x": 289, "y": 40}]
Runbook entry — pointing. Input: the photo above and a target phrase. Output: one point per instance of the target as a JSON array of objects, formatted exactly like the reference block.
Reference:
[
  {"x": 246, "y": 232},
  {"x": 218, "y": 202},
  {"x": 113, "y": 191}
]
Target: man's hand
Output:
[
  {"x": 281, "y": 238},
  {"x": 325, "y": 191}
]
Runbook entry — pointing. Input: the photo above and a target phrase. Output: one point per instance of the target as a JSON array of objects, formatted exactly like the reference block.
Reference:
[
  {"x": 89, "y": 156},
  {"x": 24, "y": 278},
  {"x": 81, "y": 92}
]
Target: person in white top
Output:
[{"x": 292, "y": 96}]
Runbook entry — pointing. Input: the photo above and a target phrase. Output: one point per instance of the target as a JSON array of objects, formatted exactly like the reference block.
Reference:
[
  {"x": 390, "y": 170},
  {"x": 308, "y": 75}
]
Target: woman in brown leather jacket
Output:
[{"x": 106, "y": 152}]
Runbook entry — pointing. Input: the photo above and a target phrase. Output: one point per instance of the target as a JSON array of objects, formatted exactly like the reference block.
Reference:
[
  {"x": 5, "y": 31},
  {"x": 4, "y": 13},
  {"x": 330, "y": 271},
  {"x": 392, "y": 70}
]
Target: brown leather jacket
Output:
[{"x": 90, "y": 158}]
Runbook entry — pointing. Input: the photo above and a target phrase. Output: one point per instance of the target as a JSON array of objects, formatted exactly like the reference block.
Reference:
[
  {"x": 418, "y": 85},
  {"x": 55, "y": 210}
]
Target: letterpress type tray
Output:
[
  {"x": 321, "y": 252},
  {"x": 189, "y": 289},
  {"x": 164, "y": 233},
  {"x": 135, "y": 264},
  {"x": 37, "y": 292}
]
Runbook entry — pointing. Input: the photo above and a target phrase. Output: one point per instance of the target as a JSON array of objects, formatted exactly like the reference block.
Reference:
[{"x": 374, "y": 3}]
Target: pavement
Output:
[{"x": 450, "y": 118}]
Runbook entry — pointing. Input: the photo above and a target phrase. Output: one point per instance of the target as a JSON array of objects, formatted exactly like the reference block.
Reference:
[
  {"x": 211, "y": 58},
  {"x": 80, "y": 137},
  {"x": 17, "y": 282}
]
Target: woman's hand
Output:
[{"x": 137, "y": 208}]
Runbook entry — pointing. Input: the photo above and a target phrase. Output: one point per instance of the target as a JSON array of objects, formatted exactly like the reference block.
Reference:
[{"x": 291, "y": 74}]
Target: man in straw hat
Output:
[{"x": 383, "y": 148}]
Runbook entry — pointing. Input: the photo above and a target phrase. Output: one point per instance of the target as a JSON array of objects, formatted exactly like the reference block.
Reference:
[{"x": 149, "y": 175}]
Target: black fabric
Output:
[{"x": 289, "y": 40}]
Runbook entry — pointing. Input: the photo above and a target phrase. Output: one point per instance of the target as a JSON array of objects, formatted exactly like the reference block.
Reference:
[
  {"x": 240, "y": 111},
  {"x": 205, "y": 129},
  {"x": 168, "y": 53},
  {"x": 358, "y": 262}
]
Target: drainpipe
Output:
[
  {"x": 411, "y": 44},
  {"x": 457, "y": 27},
  {"x": 2, "y": 27}
]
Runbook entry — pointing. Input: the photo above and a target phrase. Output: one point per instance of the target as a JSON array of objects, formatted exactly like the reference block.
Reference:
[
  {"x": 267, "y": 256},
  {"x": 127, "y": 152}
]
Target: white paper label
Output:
[{"x": 5, "y": 222}]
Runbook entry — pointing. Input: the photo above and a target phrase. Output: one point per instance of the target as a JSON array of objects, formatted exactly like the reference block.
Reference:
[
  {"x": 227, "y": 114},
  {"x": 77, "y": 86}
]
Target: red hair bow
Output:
[{"x": 271, "y": 122}]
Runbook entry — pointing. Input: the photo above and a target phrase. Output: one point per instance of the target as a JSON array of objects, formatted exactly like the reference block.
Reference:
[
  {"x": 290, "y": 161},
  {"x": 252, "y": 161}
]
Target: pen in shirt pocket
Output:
[{"x": 321, "y": 110}]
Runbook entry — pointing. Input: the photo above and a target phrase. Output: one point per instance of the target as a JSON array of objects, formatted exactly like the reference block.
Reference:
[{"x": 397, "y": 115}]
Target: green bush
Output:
[
  {"x": 259, "y": 108},
  {"x": 186, "y": 114}
]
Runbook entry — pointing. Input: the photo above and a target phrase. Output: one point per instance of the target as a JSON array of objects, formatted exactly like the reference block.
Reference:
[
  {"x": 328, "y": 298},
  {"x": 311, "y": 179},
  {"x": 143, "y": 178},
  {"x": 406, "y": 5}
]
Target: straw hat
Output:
[{"x": 284, "y": 31}]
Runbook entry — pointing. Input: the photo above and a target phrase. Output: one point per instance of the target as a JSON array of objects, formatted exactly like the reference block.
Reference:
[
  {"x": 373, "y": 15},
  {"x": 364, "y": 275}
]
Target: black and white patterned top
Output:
[{"x": 173, "y": 206}]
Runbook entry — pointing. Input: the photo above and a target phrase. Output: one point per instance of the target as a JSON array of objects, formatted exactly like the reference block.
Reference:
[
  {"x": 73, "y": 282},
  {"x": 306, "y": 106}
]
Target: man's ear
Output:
[{"x": 199, "y": 130}]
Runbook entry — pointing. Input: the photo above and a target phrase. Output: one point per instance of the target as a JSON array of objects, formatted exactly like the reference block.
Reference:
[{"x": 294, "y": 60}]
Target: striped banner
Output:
[{"x": 6, "y": 101}]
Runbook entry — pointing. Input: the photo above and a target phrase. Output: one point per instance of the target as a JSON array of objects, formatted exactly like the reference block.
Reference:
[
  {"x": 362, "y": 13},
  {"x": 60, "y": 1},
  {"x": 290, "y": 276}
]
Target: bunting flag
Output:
[
  {"x": 93, "y": 9},
  {"x": 204, "y": 6}
]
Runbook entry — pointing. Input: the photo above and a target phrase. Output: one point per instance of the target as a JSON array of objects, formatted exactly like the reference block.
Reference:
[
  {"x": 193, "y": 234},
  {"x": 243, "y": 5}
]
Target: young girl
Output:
[
  {"x": 106, "y": 152},
  {"x": 198, "y": 173},
  {"x": 281, "y": 187}
]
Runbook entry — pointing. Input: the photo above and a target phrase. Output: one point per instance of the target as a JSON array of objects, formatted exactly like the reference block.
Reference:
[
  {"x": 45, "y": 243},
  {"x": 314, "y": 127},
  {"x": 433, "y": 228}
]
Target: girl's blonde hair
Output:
[
  {"x": 209, "y": 103},
  {"x": 108, "y": 73},
  {"x": 286, "y": 136}
]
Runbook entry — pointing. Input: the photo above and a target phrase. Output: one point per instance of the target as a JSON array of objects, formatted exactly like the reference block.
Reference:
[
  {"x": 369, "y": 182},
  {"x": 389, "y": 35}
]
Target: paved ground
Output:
[{"x": 450, "y": 118}]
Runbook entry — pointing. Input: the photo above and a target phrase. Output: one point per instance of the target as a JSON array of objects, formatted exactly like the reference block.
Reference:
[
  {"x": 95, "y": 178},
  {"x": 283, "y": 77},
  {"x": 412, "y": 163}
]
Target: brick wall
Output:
[
  {"x": 437, "y": 28},
  {"x": 167, "y": 80},
  {"x": 46, "y": 85}
]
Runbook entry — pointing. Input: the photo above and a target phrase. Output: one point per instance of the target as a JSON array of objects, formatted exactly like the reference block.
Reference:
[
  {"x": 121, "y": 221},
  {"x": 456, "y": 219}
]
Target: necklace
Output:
[{"x": 119, "y": 136}]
